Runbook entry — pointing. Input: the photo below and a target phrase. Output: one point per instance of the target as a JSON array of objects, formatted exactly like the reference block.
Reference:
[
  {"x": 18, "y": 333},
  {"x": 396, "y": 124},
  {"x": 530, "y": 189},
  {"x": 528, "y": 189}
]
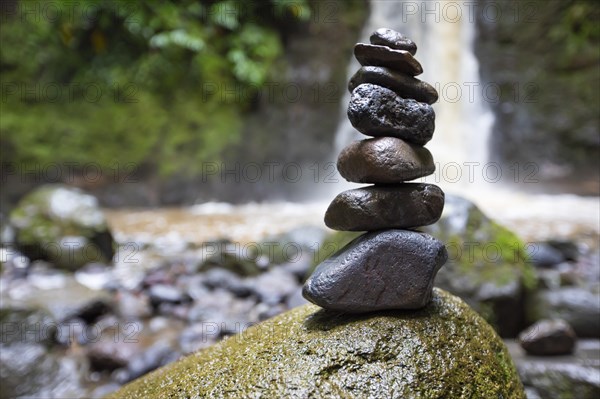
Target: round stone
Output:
[
  {"x": 384, "y": 160},
  {"x": 391, "y": 269},
  {"x": 398, "y": 60},
  {"x": 393, "y": 39},
  {"x": 377, "y": 111},
  {"x": 401, "y": 206},
  {"x": 405, "y": 86}
]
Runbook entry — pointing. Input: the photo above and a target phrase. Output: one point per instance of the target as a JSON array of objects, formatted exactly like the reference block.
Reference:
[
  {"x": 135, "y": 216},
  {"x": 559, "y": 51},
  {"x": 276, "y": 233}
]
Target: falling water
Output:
[{"x": 444, "y": 33}]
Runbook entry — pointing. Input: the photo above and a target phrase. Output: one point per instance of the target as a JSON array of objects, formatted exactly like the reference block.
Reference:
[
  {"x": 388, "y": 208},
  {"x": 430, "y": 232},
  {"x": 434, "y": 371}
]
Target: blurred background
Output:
[{"x": 165, "y": 167}]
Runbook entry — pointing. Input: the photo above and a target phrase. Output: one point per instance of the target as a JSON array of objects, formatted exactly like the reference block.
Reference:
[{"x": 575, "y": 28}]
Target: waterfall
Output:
[{"x": 444, "y": 33}]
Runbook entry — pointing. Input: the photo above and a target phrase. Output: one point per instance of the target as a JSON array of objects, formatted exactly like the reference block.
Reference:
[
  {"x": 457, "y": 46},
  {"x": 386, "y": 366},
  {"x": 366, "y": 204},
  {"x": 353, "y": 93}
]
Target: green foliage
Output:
[
  {"x": 142, "y": 82},
  {"x": 578, "y": 29}
]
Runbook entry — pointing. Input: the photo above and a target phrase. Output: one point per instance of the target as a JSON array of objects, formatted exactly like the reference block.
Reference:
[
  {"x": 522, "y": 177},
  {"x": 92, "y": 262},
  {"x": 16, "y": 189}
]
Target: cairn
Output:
[{"x": 391, "y": 266}]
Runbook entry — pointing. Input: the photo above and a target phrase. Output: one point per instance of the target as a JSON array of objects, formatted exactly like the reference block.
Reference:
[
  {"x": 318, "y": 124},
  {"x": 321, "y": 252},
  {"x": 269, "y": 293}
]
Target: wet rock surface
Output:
[
  {"x": 393, "y": 39},
  {"x": 398, "y": 60},
  {"x": 384, "y": 160},
  {"x": 399, "y": 206},
  {"x": 309, "y": 352},
  {"x": 378, "y": 111},
  {"x": 392, "y": 269},
  {"x": 403, "y": 85}
]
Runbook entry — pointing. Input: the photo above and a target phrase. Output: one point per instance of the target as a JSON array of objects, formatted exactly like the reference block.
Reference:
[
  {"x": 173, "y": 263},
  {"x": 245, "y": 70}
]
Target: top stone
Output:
[{"x": 393, "y": 39}]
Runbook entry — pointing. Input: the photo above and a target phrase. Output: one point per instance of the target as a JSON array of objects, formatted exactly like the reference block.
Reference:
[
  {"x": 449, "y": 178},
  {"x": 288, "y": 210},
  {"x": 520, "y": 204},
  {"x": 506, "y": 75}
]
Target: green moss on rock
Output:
[{"x": 443, "y": 350}]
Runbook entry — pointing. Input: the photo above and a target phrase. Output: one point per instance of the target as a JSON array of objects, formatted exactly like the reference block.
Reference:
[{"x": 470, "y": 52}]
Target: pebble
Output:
[
  {"x": 392, "y": 269},
  {"x": 384, "y": 160},
  {"x": 398, "y": 60},
  {"x": 405, "y": 86},
  {"x": 393, "y": 39},
  {"x": 400, "y": 206},
  {"x": 377, "y": 111},
  {"x": 548, "y": 338}
]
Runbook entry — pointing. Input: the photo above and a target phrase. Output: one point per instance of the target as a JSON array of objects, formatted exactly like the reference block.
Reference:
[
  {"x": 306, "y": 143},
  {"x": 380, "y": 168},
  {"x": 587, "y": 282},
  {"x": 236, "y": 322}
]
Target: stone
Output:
[
  {"x": 405, "y": 86},
  {"x": 548, "y": 338},
  {"x": 163, "y": 293},
  {"x": 400, "y": 206},
  {"x": 384, "y": 160},
  {"x": 442, "y": 350},
  {"x": 393, "y": 39},
  {"x": 392, "y": 269},
  {"x": 274, "y": 286},
  {"x": 377, "y": 111},
  {"x": 487, "y": 265},
  {"x": 397, "y": 60},
  {"x": 578, "y": 306},
  {"x": 63, "y": 225},
  {"x": 544, "y": 255}
]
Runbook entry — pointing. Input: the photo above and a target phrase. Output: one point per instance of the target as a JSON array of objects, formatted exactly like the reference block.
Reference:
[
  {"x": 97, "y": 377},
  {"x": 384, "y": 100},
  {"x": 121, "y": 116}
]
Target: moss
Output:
[{"x": 442, "y": 350}]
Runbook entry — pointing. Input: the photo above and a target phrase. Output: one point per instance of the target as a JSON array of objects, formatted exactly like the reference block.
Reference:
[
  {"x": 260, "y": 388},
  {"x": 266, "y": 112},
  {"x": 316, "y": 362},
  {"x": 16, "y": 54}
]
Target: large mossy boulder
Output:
[
  {"x": 62, "y": 225},
  {"x": 443, "y": 350},
  {"x": 487, "y": 265}
]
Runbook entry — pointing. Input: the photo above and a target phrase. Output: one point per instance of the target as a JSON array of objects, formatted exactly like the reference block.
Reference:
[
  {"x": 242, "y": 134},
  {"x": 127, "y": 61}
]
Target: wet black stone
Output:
[
  {"x": 393, "y": 39},
  {"x": 398, "y": 60},
  {"x": 405, "y": 86},
  {"x": 400, "y": 206},
  {"x": 377, "y": 111},
  {"x": 392, "y": 269},
  {"x": 548, "y": 337}
]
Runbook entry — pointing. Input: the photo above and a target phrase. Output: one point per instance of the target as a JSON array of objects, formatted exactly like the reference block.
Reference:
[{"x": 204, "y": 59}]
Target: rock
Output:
[
  {"x": 544, "y": 255},
  {"x": 405, "y": 86},
  {"x": 63, "y": 225},
  {"x": 384, "y": 160},
  {"x": 223, "y": 278},
  {"x": 385, "y": 207},
  {"x": 393, "y": 39},
  {"x": 569, "y": 376},
  {"x": 397, "y": 60},
  {"x": 442, "y": 350},
  {"x": 132, "y": 306},
  {"x": 114, "y": 347},
  {"x": 148, "y": 360},
  {"x": 161, "y": 293},
  {"x": 377, "y": 111},
  {"x": 296, "y": 299},
  {"x": 391, "y": 269},
  {"x": 578, "y": 306},
  {"x": 487, "y": 265},
  {"x": 231, "y": 256},
  {"x": 548, "y": 337}
]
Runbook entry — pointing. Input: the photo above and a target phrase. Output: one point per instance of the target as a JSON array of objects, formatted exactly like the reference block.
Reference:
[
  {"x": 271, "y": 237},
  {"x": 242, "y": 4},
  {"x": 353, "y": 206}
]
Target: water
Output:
[{"x": 445, "y": 36}]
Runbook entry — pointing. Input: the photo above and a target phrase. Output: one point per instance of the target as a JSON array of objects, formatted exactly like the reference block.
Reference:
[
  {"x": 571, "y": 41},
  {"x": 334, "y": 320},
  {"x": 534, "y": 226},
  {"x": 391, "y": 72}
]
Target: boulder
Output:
[
  {"x": 62, "y": 225},
  {"x": 487, "y": 266},
  {"x": 442, "y": 350}
]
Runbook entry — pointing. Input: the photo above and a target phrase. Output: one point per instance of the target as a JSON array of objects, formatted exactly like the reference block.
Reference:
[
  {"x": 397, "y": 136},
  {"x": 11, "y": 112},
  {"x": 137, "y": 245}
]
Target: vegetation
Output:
[{"x": 158, "y": 83}]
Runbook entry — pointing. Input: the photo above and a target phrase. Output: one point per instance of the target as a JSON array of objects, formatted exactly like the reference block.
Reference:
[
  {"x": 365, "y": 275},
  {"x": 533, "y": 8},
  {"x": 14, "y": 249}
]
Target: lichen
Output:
[{"x": 442, "y": 350}]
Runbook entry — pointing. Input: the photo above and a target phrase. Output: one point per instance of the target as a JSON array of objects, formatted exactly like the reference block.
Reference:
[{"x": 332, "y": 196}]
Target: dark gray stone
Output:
[
  {"x": 392, "y": 269},
  {"x": 399, "y": 206},
  {"x": 393, "y": 39},
  {"x": 398, "y": 60},
  {"x": 377, "y": 111},
  {"x": 548, "y": 338},
  {"x": 405, "y": 86},
  {"x": 384, "y": 160},
  {"x": 544, "y": 255}
]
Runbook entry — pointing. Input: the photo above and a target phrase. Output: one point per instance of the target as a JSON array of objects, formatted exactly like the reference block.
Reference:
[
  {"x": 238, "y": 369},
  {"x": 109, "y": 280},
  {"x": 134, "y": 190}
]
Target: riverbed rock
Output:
[
  {"x": 579, "y": 306},
  {"x": 377, "y": 111},
  {"x": 63, "y": 225},
  {"x": 384, "y": 160},
  {"x": 442, "y": 350},
  {"x": 398, "y": 60},
  {"x": 405, "y": 86},
  {"x": 399, "y": 206},
  {"x": 393, "y": 39},
  {"x": 392, "y": 269},
  {"x": 487, "y": 266},
  {"x": 548, "y": 338}
]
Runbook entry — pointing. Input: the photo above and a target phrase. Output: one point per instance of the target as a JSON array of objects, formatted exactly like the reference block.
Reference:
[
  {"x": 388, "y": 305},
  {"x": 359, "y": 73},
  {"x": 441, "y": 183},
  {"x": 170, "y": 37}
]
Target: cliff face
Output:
[{"x": 542, "y": 59}]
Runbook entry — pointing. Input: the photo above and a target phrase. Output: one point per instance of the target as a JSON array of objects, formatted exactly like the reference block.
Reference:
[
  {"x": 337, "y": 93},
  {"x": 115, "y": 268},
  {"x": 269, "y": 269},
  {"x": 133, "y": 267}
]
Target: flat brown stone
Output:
[
  {"x": 384, "y": 160},
  {"x": 405, "y": 86},
  {"x": 398, "y": 60},
  {"x": 400, "y": 206},
  {"x": 393, "y": 39}
]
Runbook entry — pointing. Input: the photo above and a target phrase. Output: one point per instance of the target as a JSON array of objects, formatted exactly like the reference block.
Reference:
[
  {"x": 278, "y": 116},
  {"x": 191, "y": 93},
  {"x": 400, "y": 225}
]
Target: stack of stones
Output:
[{"x": 391, "y": 266}]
